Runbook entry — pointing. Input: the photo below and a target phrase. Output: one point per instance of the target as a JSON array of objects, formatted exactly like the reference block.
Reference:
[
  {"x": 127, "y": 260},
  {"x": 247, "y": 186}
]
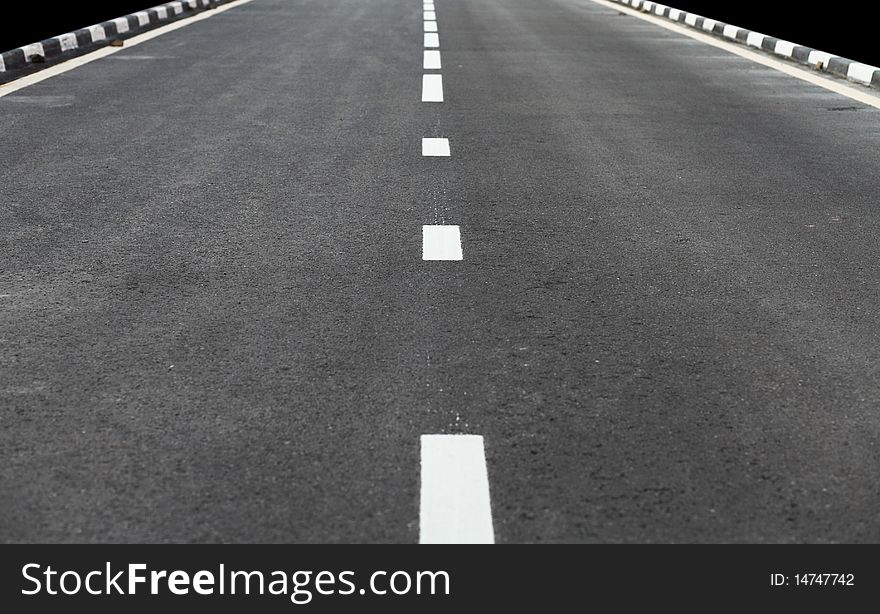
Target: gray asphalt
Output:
[{"x": 216, "y": 324}]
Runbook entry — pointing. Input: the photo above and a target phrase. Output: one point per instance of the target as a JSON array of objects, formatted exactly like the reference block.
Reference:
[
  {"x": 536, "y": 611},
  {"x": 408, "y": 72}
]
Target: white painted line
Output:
[
  {"x": 858, "y": 93},
  {"x": 435, "y": 147},
  {"x": 432, "y": 39},
  {"x": 455, "y": 507},
  {"x": 754, "y": 39},
  {"x": 63, "y": 67},
  {"x": 784, "y": 48},
  {"x": 430, "y": 16},
  {"x": 430, "y": 26},
  {"x": 441, "y": 242},
  {"x": 431, "y": 60},
  {"x": 432, "y": 88},
  {"x": 428, "y": 6}
]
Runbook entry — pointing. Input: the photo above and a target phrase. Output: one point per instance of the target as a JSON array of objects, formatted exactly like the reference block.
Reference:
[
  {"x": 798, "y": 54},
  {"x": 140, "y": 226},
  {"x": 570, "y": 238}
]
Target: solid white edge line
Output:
[
  {"x": 67, "y": 65},
  {"x": 454, "y": 502},
  {"x": 780, "y": 65}
]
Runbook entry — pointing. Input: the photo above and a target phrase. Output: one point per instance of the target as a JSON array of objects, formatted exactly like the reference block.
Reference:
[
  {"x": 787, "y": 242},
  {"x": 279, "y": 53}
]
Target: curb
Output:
[
  {"x": 864, "y": 74},
  {"x": 64, "y": 46}
]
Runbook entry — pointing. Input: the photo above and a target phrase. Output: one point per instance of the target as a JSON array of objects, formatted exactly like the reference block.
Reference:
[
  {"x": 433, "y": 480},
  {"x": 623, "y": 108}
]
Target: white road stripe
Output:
[
  {"x": 430, "y": 26},
  {"x": 430, "y": 16},
  {"x": 63, "y": 67},
  {"x": 432, "y": 39},
  {"x": 431, "y": 59},
  {"x": 850, "y": 91},
  {"x": 435, "y": 146},
  {"x": 432, "y": 88},
  {"x": 455, "y": 507},
  {"x": 441, "y": 242}
]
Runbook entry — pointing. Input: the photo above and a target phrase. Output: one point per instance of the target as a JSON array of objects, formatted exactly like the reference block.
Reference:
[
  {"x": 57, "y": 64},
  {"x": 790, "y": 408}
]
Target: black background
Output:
[{"x": 847, "y": 29}]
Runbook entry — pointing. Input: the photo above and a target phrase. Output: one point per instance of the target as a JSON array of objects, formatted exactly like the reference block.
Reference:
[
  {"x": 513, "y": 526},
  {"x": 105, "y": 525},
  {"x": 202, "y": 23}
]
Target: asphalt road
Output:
[{"x": 216, "y": 323}]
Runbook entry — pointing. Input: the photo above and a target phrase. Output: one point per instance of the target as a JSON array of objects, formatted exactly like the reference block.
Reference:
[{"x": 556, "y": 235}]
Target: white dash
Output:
[
  {"x": 431, "y": 59},
  {"x": 430, "y": 26},
  {"x": 432, "y": 39},
  {"x": 430, "y": 16},
  {"x": 441, "y": 242},
  {"x": 454, "y": 506},
  {"x": 432, "y": 88},
  {"x": 435, "y": 147}
]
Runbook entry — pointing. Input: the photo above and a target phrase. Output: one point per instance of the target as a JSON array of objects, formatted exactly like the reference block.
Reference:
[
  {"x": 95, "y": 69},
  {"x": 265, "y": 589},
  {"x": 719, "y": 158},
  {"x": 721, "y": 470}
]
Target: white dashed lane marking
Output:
[
  {"x": 430, "y": 26},
  {"x": 432, "y": 88},
  {"x": 441, "y": 242},
  {"x": 431, "y": 60},
  {"x": 432, "y": 39},
  {"x": 435, "y": 147},
  {"x": 455, "y": 507}
]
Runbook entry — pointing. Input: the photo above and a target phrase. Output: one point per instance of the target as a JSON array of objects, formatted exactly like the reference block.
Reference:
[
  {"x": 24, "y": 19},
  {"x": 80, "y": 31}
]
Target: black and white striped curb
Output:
[
  {"x": 98, "y": 35},
  {"x": 842, "y": 67}
]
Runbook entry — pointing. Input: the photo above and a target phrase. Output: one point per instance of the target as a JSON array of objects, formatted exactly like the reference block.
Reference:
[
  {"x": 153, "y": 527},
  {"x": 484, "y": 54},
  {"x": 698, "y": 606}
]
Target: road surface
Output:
[{"x": 216, "y": 322}]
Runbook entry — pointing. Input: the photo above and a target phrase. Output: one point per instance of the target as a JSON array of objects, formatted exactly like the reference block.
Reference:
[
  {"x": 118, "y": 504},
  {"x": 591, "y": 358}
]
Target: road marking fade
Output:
[
  {"x": 455, "y": 506},
  {"x": 441, "y": 242}
]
